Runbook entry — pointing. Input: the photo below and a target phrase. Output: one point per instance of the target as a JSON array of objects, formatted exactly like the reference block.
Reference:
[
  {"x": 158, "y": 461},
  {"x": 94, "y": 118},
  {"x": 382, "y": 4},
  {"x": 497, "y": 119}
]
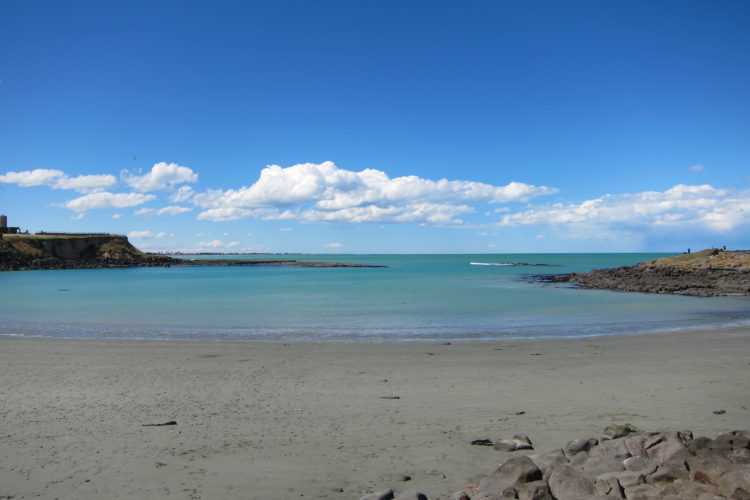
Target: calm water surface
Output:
[{"x": 417, "y": 297}]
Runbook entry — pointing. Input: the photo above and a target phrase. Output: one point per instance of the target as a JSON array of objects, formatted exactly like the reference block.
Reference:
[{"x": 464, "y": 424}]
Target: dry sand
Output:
[{"x": 268, "y": 420}]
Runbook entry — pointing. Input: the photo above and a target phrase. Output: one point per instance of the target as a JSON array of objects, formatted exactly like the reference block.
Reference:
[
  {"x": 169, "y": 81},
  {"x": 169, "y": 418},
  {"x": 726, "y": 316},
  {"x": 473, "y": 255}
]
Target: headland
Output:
[
  {"x": 21, "y": 252},
  {"x": 708, "y": 273}
]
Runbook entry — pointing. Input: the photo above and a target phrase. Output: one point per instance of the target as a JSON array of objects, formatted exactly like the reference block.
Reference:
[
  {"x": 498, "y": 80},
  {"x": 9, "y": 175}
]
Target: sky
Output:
[{"x": 379, "y": 126}]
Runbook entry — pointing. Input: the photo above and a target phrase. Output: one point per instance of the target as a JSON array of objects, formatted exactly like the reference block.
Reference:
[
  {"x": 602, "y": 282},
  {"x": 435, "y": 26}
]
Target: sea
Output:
[{"x": 413, "y": 298}]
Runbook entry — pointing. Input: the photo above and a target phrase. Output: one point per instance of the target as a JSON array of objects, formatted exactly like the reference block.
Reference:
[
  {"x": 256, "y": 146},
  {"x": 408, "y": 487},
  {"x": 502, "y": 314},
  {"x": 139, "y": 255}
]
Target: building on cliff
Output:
[{"x": 4, "y": 229}]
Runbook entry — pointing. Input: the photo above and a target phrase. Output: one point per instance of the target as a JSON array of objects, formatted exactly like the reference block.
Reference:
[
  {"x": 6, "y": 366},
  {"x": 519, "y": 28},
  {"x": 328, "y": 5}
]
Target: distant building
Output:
[{"x": 4, "y": 229}]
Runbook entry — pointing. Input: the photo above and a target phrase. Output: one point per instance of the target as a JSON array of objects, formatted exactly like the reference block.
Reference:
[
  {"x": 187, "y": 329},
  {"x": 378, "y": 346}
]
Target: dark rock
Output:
[
  {"x": 411, "y": 495},
  {"x": 382, "y": 495},
  {"x": 482, "y": 442}
]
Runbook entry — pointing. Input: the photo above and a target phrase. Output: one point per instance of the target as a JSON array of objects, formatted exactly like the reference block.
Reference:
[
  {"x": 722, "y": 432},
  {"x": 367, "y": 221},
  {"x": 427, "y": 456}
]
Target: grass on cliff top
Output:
[{"x": 705, "y": 258}]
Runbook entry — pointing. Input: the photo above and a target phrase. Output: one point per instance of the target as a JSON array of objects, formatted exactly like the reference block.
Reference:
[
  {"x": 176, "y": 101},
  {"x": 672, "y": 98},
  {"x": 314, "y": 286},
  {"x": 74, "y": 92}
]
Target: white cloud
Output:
[
  {"x": 182, "y": 195},
  {"x": 57, "y": 179},
  {"x": 335, "y": 245},
  {"x": 116, "y": 216},
  {"x": 140, "y": 235},
  {"x": 105, "y": 199},
  {"x": 285, "y": 229},
  {"x": 170, "y": 210},
  {"x": 697, "y": 168},
  {"x": 682, "y": 206},
  {"x": 232, "y": 244},
  {"x": 162, "y": 176},
  {"x": 211, "y": 244},
  {"x": 162, "y": 234},
  {"x": 324, "y": 192}
]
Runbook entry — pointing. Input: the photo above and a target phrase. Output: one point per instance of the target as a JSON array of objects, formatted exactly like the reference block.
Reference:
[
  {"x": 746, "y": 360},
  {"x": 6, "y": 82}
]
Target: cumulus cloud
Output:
[
  {"x": 682, "y": 206},
  {"x": 57, "y": 179},
  {"x": 170, "y": 210},
  {"x": 211, "y": 244},
  {"x": 162, "y": 176},
  {"x": 140, "y": 235},
  {"x": 324, "y": 192},
  {"x": 105, "y": 199},
  {"x": 116, "y": 216}
]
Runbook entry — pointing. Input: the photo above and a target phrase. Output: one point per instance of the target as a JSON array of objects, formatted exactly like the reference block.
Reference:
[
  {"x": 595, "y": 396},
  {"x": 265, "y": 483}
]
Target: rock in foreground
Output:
[
  {"x": 641, "y": 465},
  {"x": 709, "y": 273},
  {"x": 634, "y": 465}
]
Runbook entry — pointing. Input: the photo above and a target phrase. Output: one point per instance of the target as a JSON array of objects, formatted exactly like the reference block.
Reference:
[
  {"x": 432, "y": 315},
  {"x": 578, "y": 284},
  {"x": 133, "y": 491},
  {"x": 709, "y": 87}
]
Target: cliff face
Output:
[
  {"x": 708, "y": 273},
  {"x": 51, "y": 251}
]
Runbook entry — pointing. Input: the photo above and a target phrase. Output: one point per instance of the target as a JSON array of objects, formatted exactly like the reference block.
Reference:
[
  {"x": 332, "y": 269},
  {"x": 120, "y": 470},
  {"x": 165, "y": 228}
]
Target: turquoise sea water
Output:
[{"x": 417, "y": 297}]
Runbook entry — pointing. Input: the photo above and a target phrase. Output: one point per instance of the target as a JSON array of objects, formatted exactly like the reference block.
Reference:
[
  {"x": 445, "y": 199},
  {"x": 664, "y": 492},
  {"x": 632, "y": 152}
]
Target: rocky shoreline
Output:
[
  {"x": 622, "y": 464},
  {"x": 709, "y": 273},
  {"x": 97, "y": 251}
]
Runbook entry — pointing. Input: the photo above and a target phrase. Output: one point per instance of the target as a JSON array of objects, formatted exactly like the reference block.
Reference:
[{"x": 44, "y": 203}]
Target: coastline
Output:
[{"x": 274, "y": 420}]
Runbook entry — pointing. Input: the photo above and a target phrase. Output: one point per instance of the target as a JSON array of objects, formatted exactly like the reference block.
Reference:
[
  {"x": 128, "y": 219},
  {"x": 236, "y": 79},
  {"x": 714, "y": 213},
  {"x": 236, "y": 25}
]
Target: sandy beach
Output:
[{"x": 334, "y": 420}]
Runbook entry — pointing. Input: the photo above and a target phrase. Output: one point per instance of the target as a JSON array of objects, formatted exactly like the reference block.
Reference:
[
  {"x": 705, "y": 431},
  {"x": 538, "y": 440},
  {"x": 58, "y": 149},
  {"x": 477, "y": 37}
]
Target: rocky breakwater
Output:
[
  {"x": 73, "y": 251},
  {"x": 708, "y": 273},
  {"x": 623, "y": 464}
]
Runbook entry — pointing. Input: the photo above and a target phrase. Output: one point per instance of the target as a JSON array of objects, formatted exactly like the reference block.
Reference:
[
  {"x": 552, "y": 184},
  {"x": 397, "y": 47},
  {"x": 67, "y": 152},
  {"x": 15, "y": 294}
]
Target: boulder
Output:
[
  {"x": 578, "y": 445},
  {"x": 535, "y": 490},
  {"x": 549, "y": 461},
  {"x": 567, "y": 483},
  {"x": 510, "y": 474}
]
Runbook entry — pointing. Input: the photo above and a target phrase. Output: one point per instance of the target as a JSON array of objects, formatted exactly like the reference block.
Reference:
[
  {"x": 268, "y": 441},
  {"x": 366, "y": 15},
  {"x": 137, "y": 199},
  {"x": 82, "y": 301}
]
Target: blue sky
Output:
[{"x": 379, "y": 126}]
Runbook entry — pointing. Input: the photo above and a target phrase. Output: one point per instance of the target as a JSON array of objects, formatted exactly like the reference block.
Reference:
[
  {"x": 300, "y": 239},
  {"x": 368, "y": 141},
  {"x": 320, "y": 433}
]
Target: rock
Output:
[
  {"x": 549, "y": 461},
  {"x": 535, "y": 490},
  {"x": 668, "y": 446},
  {"x": 628, "y": 479},
  {"x": 579, "y": 445},
  {"x": 411, "y": 495},
  {"x": 735, "y": 484},
  {"x": 402, "y": 477},
  {"x": 512, "y": 473},
  {"x": 734, "y": 440},
  {"x": 640, "y": 464},
  {"x": 382, "y": 495},
  {"x": 566, "y": 483},
  {"x": 668, "y": 473},
  {"x": 607, "y": 484},
  {"x": 669, "y": 466},
  {"x": 618, "y": 431}
]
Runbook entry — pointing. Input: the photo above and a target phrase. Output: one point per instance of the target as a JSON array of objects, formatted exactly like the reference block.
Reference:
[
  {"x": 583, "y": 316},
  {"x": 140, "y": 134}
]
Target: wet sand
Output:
[{"x": 302, "y": 420}]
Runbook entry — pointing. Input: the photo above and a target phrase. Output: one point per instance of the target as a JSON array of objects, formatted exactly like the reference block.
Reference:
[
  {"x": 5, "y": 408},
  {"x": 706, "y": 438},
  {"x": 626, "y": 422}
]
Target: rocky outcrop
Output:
[
  {"x": 638, "y": 465},
  {"x": 708, "y": 273},
  {"x": 63, "y": 251},
  {"x": 92, "y": 251}
]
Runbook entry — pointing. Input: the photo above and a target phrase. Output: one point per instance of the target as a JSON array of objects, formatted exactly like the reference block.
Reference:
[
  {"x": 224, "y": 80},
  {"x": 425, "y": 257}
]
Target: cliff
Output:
[
  {"x": 22, "y": 252},
  {"x": 708, "y": 273},
  {"x": 72, "y": 251}
]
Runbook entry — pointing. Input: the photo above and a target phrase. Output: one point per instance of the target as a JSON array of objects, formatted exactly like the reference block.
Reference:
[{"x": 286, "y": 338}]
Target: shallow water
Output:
[{"x": 417, "y": 297}]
